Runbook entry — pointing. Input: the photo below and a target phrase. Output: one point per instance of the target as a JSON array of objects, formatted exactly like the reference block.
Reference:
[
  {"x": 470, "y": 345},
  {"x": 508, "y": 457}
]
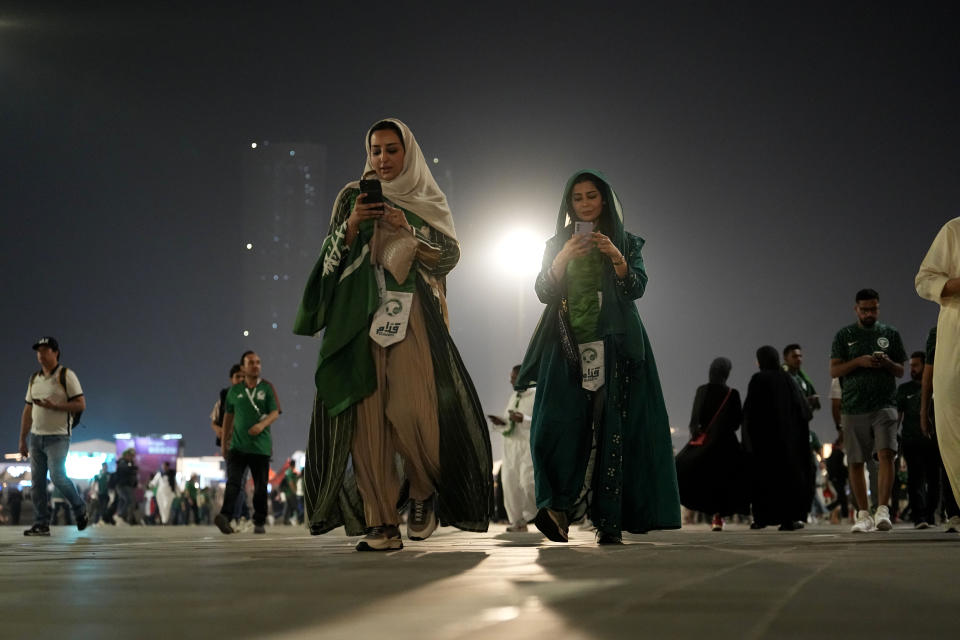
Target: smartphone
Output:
[
  {"x": 372, "y": 193},
  {"x": 582, "y": 228},
  {"x": 878, "y": 355}
]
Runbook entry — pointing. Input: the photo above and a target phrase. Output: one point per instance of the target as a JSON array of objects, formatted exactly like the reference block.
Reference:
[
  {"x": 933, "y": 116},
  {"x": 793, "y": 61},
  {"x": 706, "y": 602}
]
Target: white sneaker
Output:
[
  {"x": 882, "y": 518},
  {"x": 863, "y": 524},
  {"x": 953, "y": 524}
]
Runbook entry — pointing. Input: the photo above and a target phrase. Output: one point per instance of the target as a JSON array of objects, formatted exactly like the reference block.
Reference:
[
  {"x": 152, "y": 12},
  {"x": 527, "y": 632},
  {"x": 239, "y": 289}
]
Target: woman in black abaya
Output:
[
  {"x": 775, "y": 430},
  {"x": 710, "y": 474}
]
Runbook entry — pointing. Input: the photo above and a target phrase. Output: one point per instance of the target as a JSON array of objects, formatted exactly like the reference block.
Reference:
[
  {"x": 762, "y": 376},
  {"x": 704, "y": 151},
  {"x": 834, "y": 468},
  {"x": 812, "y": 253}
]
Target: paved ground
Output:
[{"x": 173, "y": 582}]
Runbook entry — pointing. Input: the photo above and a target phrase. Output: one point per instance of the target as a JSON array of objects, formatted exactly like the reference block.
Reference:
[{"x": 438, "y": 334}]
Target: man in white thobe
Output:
[
  {"x": 939, "y": 280},
  {"x": 516, "y": 473}
]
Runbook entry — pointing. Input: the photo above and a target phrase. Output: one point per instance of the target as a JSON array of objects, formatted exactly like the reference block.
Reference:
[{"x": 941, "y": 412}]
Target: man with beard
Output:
[
  {"x": 775, "y": 429},
  {"x": 920, "y": 452},
  {"x": 868, "y": 357},
  {"x": 793, "y": 364}
]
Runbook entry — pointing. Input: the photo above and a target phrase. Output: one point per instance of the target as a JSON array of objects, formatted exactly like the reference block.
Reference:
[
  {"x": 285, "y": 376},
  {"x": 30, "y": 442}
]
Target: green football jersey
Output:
[
  {"x": 248, "y": 407},
  {"x": 866, "y": 390}
]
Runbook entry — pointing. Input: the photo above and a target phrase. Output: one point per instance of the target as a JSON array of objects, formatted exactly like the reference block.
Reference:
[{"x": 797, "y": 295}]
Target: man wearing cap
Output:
[{"x": 53, "y": 397}]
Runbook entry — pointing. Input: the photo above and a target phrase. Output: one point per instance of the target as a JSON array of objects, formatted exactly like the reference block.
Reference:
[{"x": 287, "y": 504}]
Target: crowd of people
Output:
[{"x": 397, "y": 426}]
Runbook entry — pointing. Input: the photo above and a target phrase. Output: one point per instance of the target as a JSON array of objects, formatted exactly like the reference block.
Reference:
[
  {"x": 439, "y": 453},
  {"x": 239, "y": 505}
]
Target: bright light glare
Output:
[
  {"x": 249, "y": 246},
  {"x": 246, "y": 333},
  {"x": 83, "y": 466},
  {"x": 518, "y": 253},
  {"x": 253, "y": 145}
]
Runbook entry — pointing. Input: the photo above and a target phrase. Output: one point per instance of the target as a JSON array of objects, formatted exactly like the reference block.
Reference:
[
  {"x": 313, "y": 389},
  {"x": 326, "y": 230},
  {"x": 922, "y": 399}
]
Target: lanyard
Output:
[{"x": 250, "y": 398}]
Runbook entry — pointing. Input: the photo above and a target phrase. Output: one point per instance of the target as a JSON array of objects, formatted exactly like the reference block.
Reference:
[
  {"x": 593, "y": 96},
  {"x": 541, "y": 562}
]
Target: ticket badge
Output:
[
  {"x": 591, "y": 363},
  {"x": 390, "y": 321}
]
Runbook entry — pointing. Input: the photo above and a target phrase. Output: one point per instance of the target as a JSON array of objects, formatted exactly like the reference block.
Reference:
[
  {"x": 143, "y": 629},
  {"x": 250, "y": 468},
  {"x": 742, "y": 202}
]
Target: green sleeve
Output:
[{"x": 838, "y": 351}]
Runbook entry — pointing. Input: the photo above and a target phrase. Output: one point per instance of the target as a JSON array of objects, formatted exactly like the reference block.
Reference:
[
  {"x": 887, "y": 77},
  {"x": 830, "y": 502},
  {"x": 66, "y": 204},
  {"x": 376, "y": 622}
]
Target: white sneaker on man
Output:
[
  {"x": 953, "y": 524},
  {"x": 882, "y": 518},
  {"x": 863, "y": 524}
]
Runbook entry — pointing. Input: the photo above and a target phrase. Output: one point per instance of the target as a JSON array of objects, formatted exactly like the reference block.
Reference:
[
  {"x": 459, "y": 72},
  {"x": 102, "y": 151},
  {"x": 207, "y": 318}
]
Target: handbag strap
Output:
[{"x": 717, "y": 414}]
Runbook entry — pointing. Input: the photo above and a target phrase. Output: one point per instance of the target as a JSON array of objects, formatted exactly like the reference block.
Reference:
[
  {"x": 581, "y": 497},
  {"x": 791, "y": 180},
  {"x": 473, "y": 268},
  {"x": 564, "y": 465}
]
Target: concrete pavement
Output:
[{"x": 147, "y": 582}]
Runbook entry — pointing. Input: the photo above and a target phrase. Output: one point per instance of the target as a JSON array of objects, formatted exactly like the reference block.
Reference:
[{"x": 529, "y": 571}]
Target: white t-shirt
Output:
[
  {"x": 836, "y": 393},
  {"x": 50, "y": 422}
]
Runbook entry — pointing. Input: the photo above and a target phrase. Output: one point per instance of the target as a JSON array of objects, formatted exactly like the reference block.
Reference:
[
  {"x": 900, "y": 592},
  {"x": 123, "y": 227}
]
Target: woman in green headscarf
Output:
[
  {"x": 600, "y": 436},
  {"x": 396, "y": 413}
]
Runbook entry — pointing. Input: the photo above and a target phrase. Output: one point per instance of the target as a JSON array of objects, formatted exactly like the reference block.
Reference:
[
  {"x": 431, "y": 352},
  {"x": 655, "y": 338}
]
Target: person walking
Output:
[
  {"x": 710, "y": 468},
  {"x": 516, "y": 472},
  {"x": 390, "y": 379},
  {"x": 938, "y": 280},
  {"x": 54, "y": 399},
  {"x": 246, "y": 443},
  {"x": 101, "y": 490},
  {"x": 776, "y": 435},
  {"x": 600, "y": 436},
  {"x": 868, "y": 357},
  {"x": 919, "y": 451},
  {"x": 928, "y": 426},
  {"x": 164, "y": 485},
  {"x": 127, "y": 481}
]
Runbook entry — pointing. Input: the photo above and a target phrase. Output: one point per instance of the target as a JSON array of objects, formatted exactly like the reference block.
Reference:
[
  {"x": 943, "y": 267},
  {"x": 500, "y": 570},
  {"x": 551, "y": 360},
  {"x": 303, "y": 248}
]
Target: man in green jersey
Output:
[
  {"x": 920, "y": 452},
  {"x": 793, "y": 364},
  {"x": 251, "y": 407},
  {"x": 868, "y": 358}
]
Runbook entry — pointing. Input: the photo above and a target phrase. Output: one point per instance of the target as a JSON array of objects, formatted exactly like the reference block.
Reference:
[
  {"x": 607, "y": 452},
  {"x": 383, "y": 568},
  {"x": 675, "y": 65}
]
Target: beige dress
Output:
[{"x": 941, "y": 264}]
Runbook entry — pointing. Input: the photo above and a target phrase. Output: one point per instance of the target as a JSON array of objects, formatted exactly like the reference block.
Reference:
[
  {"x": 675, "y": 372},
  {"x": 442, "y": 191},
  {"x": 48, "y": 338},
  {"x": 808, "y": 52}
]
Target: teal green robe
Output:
[{"x": 634, "y": 484}]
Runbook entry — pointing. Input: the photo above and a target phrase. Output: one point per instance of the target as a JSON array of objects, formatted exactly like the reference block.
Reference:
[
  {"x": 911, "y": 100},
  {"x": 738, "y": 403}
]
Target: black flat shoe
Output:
[
  {"x": 605, "y": 537},
  {"x": 552, "y": 524}
]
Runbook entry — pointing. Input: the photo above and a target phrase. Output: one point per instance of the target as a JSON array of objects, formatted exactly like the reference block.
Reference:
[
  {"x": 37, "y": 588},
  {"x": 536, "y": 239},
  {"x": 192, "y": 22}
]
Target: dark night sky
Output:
[{"x": 775, "y": 159}]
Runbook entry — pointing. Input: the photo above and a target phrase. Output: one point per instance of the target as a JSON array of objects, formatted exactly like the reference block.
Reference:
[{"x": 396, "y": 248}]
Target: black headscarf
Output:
[
  {"x": 768, "y": 358},
  {"x": 720, "y": 370},
  {"x": 709, "y": 397}
]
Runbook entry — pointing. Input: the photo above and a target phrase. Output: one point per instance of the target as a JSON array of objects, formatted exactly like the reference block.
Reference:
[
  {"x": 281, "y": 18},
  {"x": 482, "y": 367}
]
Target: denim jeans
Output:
[{"x": 49, "y": 453}]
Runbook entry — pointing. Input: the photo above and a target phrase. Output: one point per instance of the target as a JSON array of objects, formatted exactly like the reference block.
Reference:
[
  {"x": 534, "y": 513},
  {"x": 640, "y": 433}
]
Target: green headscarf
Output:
[{"x": 611, "y": 220}]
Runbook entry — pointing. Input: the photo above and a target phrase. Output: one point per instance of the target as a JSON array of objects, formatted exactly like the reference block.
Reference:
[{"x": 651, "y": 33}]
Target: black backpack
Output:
[{"x": 73, "y": 417}]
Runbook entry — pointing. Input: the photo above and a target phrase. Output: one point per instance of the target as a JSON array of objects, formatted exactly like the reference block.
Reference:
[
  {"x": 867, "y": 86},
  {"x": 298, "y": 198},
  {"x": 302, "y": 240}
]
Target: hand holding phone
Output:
[
  {"x": 582, "y": 228},
  {"x": 372, "y": 191}
]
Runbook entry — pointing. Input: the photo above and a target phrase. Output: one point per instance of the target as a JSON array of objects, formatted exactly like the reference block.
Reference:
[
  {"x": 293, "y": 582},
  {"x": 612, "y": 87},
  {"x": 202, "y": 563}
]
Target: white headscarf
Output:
[{"x": 414, "y": 188}]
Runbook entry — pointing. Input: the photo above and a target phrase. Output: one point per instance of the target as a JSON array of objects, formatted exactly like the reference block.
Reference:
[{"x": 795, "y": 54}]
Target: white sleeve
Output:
[
  {"x": 836, "y": 393},
  {"x": 29, "y": 398},
  {"x": 73, "y": 385},
  {"x": 941, "y": 263}
]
